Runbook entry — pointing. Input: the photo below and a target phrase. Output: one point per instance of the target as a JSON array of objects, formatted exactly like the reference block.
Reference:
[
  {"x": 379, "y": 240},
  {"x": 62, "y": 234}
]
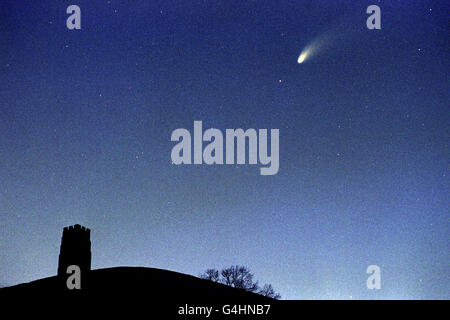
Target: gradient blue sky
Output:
[{"x": 86, "y": 118}]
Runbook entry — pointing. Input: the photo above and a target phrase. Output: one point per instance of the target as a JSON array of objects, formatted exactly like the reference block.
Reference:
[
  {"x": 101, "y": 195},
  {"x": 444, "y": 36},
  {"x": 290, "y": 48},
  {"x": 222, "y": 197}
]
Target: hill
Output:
[{"x": 132, "y": 287}]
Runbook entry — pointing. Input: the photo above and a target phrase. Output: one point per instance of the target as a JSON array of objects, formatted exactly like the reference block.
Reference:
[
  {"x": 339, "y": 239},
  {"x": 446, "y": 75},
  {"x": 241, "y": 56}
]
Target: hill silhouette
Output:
[
  {"x": 134, "y": 283},
  {"x": 155, "y": 293}
]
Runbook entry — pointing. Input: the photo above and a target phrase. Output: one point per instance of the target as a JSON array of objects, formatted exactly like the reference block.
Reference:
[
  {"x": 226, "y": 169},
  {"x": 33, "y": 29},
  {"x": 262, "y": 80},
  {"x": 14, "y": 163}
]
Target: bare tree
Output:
[
  {"x": 239, "y": 277},
  {"x": 268, "y": 291},
  {"x": 211, "y": 274}
]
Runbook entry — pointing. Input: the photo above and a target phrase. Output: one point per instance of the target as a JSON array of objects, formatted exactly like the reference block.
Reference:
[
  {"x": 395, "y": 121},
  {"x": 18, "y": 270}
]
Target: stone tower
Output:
[{"x": 75, "y": 249}]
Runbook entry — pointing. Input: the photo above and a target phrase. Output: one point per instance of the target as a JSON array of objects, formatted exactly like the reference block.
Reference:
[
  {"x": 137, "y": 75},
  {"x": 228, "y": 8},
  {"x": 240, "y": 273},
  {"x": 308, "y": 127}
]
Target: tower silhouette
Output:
[{"x": 75, "y": 249}]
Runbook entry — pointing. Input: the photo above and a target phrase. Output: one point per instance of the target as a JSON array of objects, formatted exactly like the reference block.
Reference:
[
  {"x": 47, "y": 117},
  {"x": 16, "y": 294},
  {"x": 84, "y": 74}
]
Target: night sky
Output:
[{"x": 86, "y": 118}]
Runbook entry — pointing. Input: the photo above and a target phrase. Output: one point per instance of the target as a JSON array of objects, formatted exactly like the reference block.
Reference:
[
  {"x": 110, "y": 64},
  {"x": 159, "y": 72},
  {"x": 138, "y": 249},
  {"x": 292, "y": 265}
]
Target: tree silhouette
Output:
[
  {"x": 211, "y": 274},
  {"x": 239, "y": 277},
  {"x": 268, "y": 291}
]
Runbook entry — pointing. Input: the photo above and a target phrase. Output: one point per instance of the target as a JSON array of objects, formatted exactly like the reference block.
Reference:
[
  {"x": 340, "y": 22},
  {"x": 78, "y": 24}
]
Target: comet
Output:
[
  {"x": 310, "y": 49},
  {"x": 326, "y": 40},
  {"x": 302, "y": 56},
  {"x": 322, "y": 43}
]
